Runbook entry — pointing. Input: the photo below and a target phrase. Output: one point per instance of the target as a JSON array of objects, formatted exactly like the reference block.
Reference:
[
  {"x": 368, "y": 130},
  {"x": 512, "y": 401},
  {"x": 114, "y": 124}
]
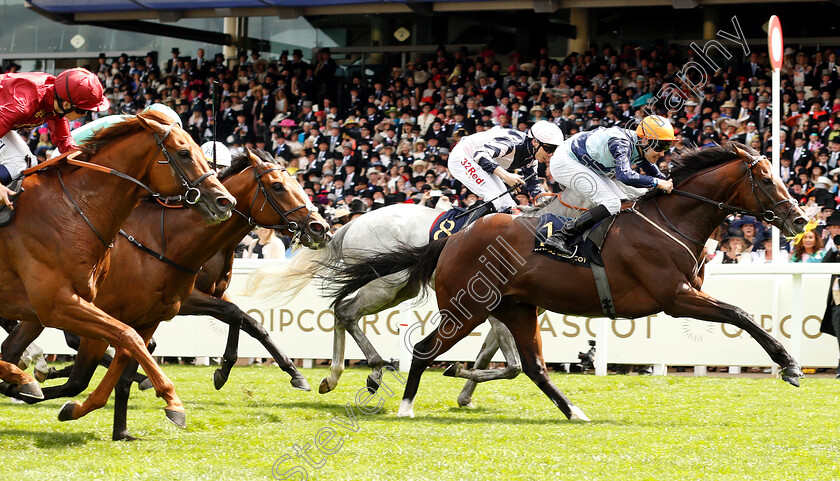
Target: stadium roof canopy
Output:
[{"x": 173, "y": 10}]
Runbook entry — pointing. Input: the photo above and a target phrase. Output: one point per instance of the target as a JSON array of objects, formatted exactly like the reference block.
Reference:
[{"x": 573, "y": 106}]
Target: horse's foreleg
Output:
[
  {"x": 18, "y": 381},
  {"x": 522, "y": 321},
  {"x": 19, "y": 347},
  {"x": 256, "y": 330},
  {"x": 121, "y": 395},
  {"x": 63, "y": 309},
  {"x": 200, "y": 304},
  {"x": 690, "y": 302}
]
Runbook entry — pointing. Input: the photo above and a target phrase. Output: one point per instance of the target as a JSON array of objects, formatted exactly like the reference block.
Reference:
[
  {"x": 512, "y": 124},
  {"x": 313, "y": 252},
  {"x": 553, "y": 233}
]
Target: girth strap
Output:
[{"x": 604, "y": 292}]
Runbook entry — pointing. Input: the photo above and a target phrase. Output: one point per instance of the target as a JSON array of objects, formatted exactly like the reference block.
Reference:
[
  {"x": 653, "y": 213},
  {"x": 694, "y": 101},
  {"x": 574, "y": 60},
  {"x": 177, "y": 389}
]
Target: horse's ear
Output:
[
  {"x": 150, "y": 124},
  {"x": 741, "y": 153},
  {"x": 252, "y": 158}
]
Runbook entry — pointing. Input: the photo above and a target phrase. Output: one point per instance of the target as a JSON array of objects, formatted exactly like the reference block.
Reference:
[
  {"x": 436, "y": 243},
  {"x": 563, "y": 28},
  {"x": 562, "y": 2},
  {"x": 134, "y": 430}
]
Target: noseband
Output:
[
  {"x": 291, "y": 226},
  {"x": 192, "y": 195}
]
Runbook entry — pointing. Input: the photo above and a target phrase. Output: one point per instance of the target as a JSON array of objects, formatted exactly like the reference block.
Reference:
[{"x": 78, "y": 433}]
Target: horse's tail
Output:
[
  {"x": 418, "y": 262},
  {"x": 287, "y": 281}
]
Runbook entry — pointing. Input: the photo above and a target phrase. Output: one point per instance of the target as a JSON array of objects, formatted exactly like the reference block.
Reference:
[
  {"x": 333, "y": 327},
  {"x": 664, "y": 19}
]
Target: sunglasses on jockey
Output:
[
  {"x": 659, "y": 145},
  {"x": 548, "y": 148}
]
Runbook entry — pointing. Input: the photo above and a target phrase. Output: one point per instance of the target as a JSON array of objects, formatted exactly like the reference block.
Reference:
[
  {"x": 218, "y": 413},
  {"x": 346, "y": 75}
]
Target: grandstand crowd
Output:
[{"x": 357, "y": 143}]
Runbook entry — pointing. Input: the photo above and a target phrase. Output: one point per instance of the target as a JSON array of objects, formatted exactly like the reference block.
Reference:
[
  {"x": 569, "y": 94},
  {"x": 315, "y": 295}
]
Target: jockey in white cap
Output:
[
  {"x": 484, "y": 161},
  {"x": 223, "y": 157}
]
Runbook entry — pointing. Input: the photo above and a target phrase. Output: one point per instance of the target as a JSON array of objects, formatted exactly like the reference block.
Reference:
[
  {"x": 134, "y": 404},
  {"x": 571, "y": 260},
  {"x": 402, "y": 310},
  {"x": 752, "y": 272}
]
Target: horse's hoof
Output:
[
  {"x": 324, "y": 387},
  {"x": 145, "y": 384},
  {"x": 178, "y": 418},
  {"x": 219, "y": 379},
  {"x": 792, "y": 374},
  {"x": 40, "y": 376},
  {"x": 31, "y": 390},
  {"x": 300, "y": 383},
  {"x": 465, "y": 402},
  {"x": 372, "y": 383},
  {"x": 452, "y": 370},
  {"x": 66, "y": 413},
  {"x": 577, "y": 415},
  {"x": 124, "y": 436}
]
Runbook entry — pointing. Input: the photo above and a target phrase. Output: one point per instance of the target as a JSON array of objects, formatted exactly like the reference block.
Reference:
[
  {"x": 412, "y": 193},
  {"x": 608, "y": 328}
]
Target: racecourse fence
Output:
[{"x": 787, "y": 300}]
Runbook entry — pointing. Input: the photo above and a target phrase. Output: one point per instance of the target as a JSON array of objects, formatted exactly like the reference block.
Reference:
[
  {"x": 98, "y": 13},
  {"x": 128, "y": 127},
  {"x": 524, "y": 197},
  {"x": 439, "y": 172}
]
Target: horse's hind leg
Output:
[
  {"x": 376, "y": 296},
  {"x": 482, "y": 361},
  {"x": 20, "y": 348},
  {"x": 690, "y": 302},
  {"x": 499, "y": 335},
  {"x": 522, "y": 321}
]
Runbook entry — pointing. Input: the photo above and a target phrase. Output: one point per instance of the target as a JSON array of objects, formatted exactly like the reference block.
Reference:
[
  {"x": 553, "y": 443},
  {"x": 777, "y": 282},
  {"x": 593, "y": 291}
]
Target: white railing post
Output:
[{"x": 601, "y": 346}]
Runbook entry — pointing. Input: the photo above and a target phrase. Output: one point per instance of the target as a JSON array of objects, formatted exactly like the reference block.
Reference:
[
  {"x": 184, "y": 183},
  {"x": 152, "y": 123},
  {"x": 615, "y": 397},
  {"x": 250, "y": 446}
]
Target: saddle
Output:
[
  {"x": 586, "y": 252},
  {"x": 6, "y": 214},
  {"x": 448, "y": 223}
]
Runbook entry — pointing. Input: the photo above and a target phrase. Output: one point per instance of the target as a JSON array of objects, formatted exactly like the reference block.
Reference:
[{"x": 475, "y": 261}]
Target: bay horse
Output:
[
  {"x": 378, "y": 231},
  {"x": 56, "y": 247},
  {"x": 650, "y": 253},
  {"x": 144, "y": 289}
]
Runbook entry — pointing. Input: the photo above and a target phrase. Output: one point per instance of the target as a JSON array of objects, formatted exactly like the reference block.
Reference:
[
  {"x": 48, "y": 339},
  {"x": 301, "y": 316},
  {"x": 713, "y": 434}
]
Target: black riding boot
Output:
[
  {"x": 560, "y": 239},
  {"x": 484, "y": 209}
]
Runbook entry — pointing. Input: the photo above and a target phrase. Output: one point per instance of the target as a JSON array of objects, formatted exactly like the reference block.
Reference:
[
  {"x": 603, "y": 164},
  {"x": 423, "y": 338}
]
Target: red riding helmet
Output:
[{"x": 81, "y": 88}]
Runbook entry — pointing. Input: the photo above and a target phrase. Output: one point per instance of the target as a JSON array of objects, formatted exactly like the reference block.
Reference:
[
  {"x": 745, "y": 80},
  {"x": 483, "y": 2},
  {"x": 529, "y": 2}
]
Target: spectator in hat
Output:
[
  {"x": 831, "y": 230},
  {"x": 762, "y": 249},
  {"x": 831, "y": 317},
  {"x": 734, "y": 249},
  {"x": 750, "y": 227},
  {"x": 809, "y": 248}
]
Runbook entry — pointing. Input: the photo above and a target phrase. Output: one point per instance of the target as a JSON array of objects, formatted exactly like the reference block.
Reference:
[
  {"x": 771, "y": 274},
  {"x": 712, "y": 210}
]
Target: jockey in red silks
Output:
[{"x": 31, "y": 99}]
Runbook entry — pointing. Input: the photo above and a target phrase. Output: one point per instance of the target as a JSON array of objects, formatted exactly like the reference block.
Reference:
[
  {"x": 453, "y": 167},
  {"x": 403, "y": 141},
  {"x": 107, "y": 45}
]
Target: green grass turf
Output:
[{"x": 661, "y": 428}]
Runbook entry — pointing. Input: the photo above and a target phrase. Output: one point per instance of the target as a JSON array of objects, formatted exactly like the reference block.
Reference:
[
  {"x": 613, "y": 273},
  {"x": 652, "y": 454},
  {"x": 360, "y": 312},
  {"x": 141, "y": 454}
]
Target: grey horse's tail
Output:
[{"x": 418, "y": 262}]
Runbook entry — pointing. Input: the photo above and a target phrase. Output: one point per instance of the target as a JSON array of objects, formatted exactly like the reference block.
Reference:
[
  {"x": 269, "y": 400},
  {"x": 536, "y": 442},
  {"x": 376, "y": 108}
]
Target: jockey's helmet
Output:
[
  {"x": 223, "y": 156},
  {"x": 655, "y": 128},
  {"x": 546, "y": 132},
  {"x": 82, "y": 89}
]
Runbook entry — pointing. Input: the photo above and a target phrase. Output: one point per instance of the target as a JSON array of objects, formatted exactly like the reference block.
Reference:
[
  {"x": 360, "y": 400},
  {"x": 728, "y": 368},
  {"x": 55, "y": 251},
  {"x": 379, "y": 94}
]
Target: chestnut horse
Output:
[
  {"x": 144, "y": 290},
  {"x": 56, "y": 248},
  {"x": 651, "y": 256}
]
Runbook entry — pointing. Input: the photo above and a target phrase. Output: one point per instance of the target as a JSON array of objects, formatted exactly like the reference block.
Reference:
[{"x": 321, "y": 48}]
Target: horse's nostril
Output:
[
  {"x": 799, "y": 221},
  {"x": 317, "y": 227},
  {"x": 224, "y": 202}
]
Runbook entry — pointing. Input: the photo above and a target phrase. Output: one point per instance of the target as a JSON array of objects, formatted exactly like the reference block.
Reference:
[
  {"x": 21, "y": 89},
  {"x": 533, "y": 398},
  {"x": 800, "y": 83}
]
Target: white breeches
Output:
[
  {"x": 485, "y": 185},
  {"x": 13, "y": 153},
  {"x": 585, "y": 182}
]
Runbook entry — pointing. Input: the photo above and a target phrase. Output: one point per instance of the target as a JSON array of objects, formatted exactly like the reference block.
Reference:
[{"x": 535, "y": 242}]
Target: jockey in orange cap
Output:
[
  {"x": 31, "y": 99},
  {"x": 589, "y": 159}
]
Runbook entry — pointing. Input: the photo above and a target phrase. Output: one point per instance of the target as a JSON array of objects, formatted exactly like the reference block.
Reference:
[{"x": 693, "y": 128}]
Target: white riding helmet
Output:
[
  {"x": 547, "y": 133},
  {"x": 223, "y": 156},
  {"x": 166, "y": 110}
]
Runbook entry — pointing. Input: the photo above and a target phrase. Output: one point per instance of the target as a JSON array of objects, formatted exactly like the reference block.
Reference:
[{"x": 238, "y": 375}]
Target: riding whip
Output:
[{"x": 510, "y": 190}]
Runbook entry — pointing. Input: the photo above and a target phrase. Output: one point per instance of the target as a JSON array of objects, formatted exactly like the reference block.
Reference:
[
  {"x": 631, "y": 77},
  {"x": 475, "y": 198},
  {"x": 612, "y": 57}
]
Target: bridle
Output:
[
  {"x": 189, "y": 185},
  {"x": 769, "y": 215},
  {"x": 289, "y": 225}
]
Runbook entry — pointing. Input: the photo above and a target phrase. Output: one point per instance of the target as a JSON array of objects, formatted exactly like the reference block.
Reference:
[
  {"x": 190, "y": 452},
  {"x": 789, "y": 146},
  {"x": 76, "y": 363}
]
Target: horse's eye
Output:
[
  {"x": 277, "y": 187},
  {"x": 185, "y": 154},
  {"x": 767, "y": 181}
]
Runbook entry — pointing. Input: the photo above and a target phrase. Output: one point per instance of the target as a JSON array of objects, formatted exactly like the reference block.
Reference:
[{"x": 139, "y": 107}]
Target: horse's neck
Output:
[
  {"x": 693, "y": 218},
  {"x": 191, "y": 242},
  {"x": 108, "y": 200}
]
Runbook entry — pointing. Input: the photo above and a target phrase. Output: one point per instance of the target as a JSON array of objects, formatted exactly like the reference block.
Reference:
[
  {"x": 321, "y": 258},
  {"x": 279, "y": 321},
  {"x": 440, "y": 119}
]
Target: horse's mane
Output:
[
  {"x": 693, "y": 161},
  {"x": 240, "y": 162},
  {"x": 130, "y": 125}
]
